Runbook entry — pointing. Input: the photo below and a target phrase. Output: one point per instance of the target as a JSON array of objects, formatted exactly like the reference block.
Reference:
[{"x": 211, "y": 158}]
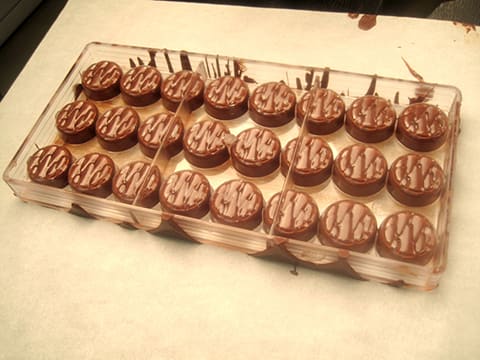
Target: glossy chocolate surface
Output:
[
  {"x": 297, "y": 216},
  {"x": 183, "y": 84},
  {"x": 153, "y": 131},
  {"x": 415, "y": 180},
  {"x": 422, "y": 127},
  {"x": 76, "y": 121},
  {"x": 137, "y": 179},
  {"x": 49, "y": 165},
  {"x": 226, "y": 98},
  {"x": 256, "y": 152},
  {"x": 313, "y": 163},
  {"x": 360, "y": 170},
  {"x": 186, "y": 193},
  {"x": 101, "y": 81},
  {"x": 348, "y": 225},
  {"x": 370, "y": 119},
  {"x": 238, "y": 203},
  {"x": 92, "y": 174},
  {"x": 272, "y": 104},
  {"x": 204, "y": 144},
  {"x": 140, "y": 86},
  {"x": 407, "y": 236},
  {"x": 117, "y": 128},
  {"x": 327, "y": 111}
]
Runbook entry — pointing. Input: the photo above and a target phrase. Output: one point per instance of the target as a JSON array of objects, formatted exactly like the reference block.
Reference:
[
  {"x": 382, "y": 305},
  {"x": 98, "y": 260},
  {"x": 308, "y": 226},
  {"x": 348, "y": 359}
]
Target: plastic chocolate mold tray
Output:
[{"x": 257, "y": 242}]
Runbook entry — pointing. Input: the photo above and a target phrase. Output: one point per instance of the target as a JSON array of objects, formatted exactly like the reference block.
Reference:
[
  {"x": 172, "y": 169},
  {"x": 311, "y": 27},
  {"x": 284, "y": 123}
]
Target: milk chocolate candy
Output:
[
  {"x": 370, "y": 119},
  {"x": 101, "y": 81},
  {"x": 422, "y": 127},
  {"x": 360, "y": 170},
  {"x": 297, "y": 217},
  {"x": 117, "y": 128},
  {"x": 237, "y": 203},
  {"x": 407, "y": 236},
  {"x": 272, "y": 104},
  {"x": 140, "y": 86},
  {"x": 137, "y": 182},
  {"x": 153, "y": 131},
  {"x": 327, "y": 111},
  {"x": 348, "y": 225},
  {"x": 226, "y": 98},
  {"x": 204, "y": 144},
  {"x": 312, "y": 164},
  {"x": 92, "y": 174},
  {"x": 76, "y": 121},
  {"x": 256, "y": 152},
  {"x": 49, "y": 165},
  {"x": 186, "y": 85},
  {"x": 186, "y": 193},
  {"x": 415, "y": 180}
]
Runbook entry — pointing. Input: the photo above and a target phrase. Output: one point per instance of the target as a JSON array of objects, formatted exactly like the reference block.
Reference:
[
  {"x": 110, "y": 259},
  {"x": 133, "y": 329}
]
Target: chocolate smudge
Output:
[
  {"x": 468, "y": 27},
  {"x": 132, "y": 63},
  {"x": 325, "y": 78},
  {"x": 169, "y": 63},
  {"x": 238, "y": 68},
  {"x": 249, "y": 80},
  {"x": 140, "y": 61},
  {"x": 309, "y": 79},
  {"x": 299, "y": 83},
  {"x": 227, "y": 66},
  {"x": 422, "y": 93},
  {"x": 185, "y": 61},
  {"x": 208, "y": 67},
  {"x": 217, "y": 62},
  {"x": 367, "y": 22},
  {"x": 77, "y": 90},
  {"x": 152, "y": 54},
  {"x": 353, "y": 15},
  {"x": 373, "y": 84},
  {"x": 396, "y": 99},
  {"x": 415, "y": 74}
]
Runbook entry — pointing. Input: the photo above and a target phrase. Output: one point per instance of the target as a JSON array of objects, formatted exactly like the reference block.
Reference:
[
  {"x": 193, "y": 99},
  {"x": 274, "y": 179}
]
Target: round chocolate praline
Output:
[
  {"x": 272, "y": 104},
  {"x": 101, "y": 81},
  {"x": 407, "y": 236},
  {"x": 256, "y": 152},
  {"x": 370, "y": 119},
  {"x": 153, "y": 130},
  {"x": 297, "y": 217},
  {"x": 117, "y": 128},
  {"x": 49, "y": 166},
  {"x": 327, "y": 111},
  {"x": 313, "y": 164},
  {"x": 348, "y": 225},
  {"x": 415, "y": 180},
  {"x": 360, "y": 170},
  {"x": 187, "y": 85},
  {"x": 422, "y": 127},
  {"x": 238, "y": 203},
  {"x": 140, "y": 86},
  {"x": 226, "y": 98},
  {"x": 186, "y": 193},
  {"x": 204, "y": 145},
  {"x": 76, "y": 121},
  {"x": 92, "y": 174},
  {"x": 138, "y": 181}
]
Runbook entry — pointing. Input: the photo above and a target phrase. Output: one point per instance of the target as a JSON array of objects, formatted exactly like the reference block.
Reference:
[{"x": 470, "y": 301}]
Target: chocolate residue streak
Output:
[
  {"x": 140, "y": 61},
  {"x": 132, "y": 63},
  {"x": 217, "y": 62},
  {"x": 325, "y": 78},
  {"x": 77, "y": 91},
  {"x": 309, "y": 79},
  {"x": 185, "y": 61},
  {"x": 299, "y": 83},
  {"x": 294, "y": 270},
  {"x": 367, "y": 22},
  {"x": 468, "y": 27},
  {"x": 353, "y": 15},
  {"x": 373, "y": 84},
  {"x": 227, "y": 66},
  {"x": 152, "y": 54},
  {"x": 248, "y": 79},
  {"x": 169, "y": 63},
  {"x": 214, "y": 71},
  {"x": 423, "y": 93},
  {"x": 412, "y": 71},
  {"x": 208, "y": 67},
  {"x": 238, "y": 68},
  {"x": 396, "y": 99}
]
